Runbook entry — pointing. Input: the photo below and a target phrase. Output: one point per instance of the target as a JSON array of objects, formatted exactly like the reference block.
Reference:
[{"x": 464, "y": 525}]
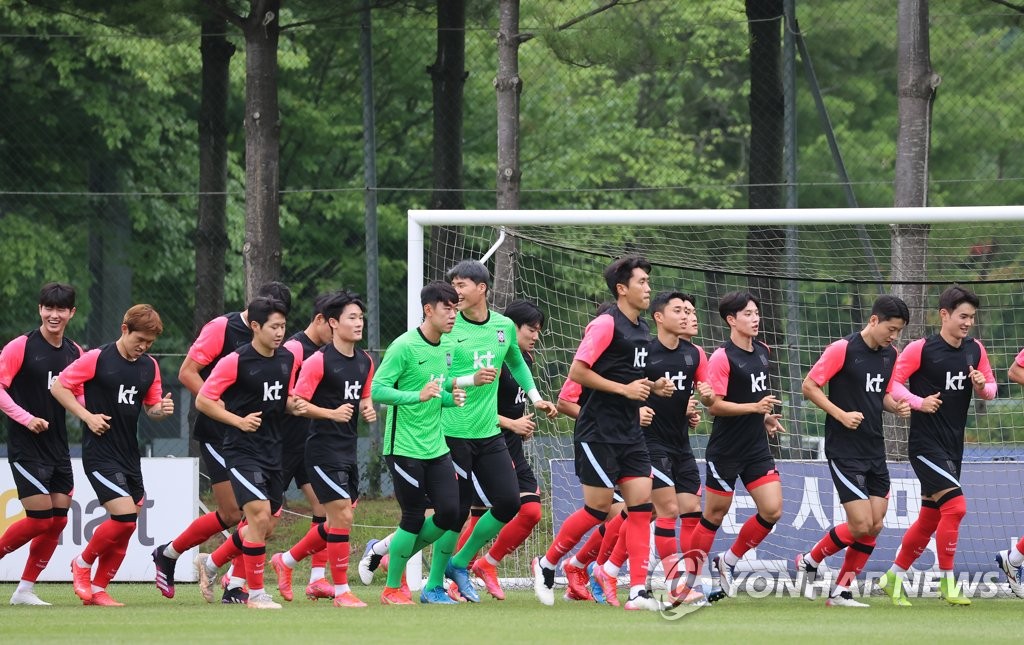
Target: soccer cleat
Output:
[
  {"x": 205, "y": 575},
  {"x": 319, "y": 589},
  {"x": 368, "y": 563},
  {"x": 436, "y": 596},
  {"x": 643, "y": 601},
  {"x": 806, "y": 575},
  {"x": 348, "y": 599},
  {"x": 577, "y": 581},
  {"x": 392, "y": 596},
  {"x": 892, "y": 585},
  {"x": 234, "y": 596},
  {"x": 609, "y": 586},
  {"x": 1014, "y": 575},
  {"x": 102, "y": 599},
  {"x": 284, "y": 576},
  {"x": 461, "y": 577},
  {"x": 683, "y": 595},
  {"x": 164, "y": 571},
  {"x": 595, "y": 589},
  {"x": 28, "y": 598},
  {"x": 844, "y": 599},
  {"x": 951, "y": 592},
  {"x": 543, "y": 583},
  {"x": 453, "y": 592},
  {"x": 726, "y": 575},
  {"x": 488, "y": 574},
  {"x": 81, "y": 578},
  {"x": 262, "y": 601}
]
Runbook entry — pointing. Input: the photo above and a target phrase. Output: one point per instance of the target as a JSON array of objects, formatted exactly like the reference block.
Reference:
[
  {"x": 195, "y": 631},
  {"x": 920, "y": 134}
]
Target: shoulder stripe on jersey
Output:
[
  {"x": 248, "y": 484},
  {"x": 406, "y": 476},
  {"x": 597, "y": 467},
  {"x": 480, "y": 491},
  {"x": 32, "y": 480},
  {"x": 930, "y": 464},
  {"x": 111, "y": 485},
  {"x": 330, "y": 482},
  {"x": 846, "y": 482},
  {"x": 721, "y": 482}
]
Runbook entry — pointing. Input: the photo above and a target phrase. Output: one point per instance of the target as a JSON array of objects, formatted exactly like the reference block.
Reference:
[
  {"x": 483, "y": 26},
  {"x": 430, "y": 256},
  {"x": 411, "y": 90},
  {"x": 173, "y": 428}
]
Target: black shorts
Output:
[
  {"x": 213, "y": 459},
  {"x": 37, "y": 478},
  {"x": 252, "y": 482},
  {"x": 858, "y": 479},
  {"x": 605, "y": 464},
  {"x": 671, "y": 468},
  {"x": 720, "y": 476},
  {"x": 113, "y": 481},
  {"x": 293, "y": 466},
  {"x": 527, "y": 480},
  {"x": 332, "y": 482},
  {"x": 426, "y": 483},
  {"x": 936, "y": 472}
]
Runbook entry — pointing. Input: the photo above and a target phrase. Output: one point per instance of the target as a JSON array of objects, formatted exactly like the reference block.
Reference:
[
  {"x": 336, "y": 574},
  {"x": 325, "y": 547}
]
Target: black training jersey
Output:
[
  {"x": 739, "y": 376},
  {"x": 28, "y": 366},
  {"x": 218, "y": 338},
  {"x": 616, "y": 348},
  {"x": 294, "y": 430},
  {"x": 329, "y": 379},
  {"x": 512, "y": 398},
  {"x": 684, "y": 366}
]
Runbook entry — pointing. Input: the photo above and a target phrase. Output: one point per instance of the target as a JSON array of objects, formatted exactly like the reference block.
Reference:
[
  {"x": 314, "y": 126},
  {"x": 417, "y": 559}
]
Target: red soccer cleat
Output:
[
  {"x": 348, "y": 599},
  {"x": 319, "y": 589},
  {"x": 489, "y": 574},
  {"x": 102, "y": 599},
  {"x": 609, "y": 586},
  {"x": 284, "y": 576},
  {"x": 392, "y": 596},
  {"x": 577, "y": 580},
  {"x": 81, "y": 578},
  {"x": 453, "y": 593}
]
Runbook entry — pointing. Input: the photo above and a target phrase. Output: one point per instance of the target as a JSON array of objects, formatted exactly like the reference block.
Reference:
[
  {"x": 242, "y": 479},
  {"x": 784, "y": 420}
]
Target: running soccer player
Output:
[
  {"x": 248, "y": 391},
  {"x": 1011, "y": 560},
  {"x": 413, "y": 381},
  {"x": 218, "y": 338},
  {"x": 116, "y": 382},
  {"x": 37, "y": 437},
  {"x": 856, "y": 370},
  {"x": 484, "y": 342},
  {"x": 738, "y": 447},
  {"x": 944, "y": 371},
  {"x": 609, "y": 445},
  {"x": 335, "y": 383}
]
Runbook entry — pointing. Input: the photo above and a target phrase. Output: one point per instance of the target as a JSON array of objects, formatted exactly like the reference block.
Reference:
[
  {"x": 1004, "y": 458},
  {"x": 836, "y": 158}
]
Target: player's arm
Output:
[
  {"x": 11, "y": 359},
  {"x": 157, "y": 407},
  {"x": 206, "y": 348},
  {"x": 907, "y": 363},
  {"x": 393, "y": 367},
  {"x": 520, "y": 371},
  {"x": 568, "y": 399},
  {"x": 294, "y": 405},
  {"x": 208, "y": 401},
  {"x": 827, "y": 366},
  {"x": 1016, "y": 373},
  {"x": 70, "y": 382},
  {"x": 596, "y": 339},
  {"x": 982, "y": 378},
  {"x": 523, "y": 426},
  {"x": 309, "y": 380}
]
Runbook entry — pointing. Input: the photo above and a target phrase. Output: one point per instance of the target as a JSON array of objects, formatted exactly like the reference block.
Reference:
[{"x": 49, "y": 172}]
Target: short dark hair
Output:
[
  {"x": 887, "y": 307},
  {"x": 524, "y": 312},
  {"x": 57, "y": 295},
  {"x": 604, "y": 308},
  {"x": 955, "y": 296},
  {"x": 661, "y": 300},
  {"x": 469, "y": 270},
  {"x": 337, "y": 302},
  {"x": 261, "y": 307},
  {"x": 621, "y": 270},
  {"x": 736, "y": 301},
  {"x": 277, "y": 291},
  {"x": 318, "y": 304},
  {"x": 438, "y": 291}
]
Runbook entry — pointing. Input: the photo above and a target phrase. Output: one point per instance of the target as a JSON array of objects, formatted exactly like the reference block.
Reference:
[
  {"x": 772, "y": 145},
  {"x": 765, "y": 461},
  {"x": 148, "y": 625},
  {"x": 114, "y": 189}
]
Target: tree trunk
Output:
[
  {"x": 110, "y": 238},
  {"x": 917, "y": 84},
  {"x": 448, "y": 75},
  {"x": 509, "y": 86},
  {"x": 262, "y": 250},
  {"x": 211, "y": 239}
]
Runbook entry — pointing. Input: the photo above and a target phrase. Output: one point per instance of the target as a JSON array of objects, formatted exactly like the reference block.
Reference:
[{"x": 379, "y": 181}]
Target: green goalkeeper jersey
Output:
[
  {"x": 412, "y": 428},
  {"x": 491, "y": 343}
]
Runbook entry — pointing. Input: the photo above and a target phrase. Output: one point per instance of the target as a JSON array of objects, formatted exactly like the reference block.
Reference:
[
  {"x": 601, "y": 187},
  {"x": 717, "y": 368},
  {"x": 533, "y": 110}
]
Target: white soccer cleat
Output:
[
  {"x": 261, "y": 601},
  {"x": 28, "y": 598},
  {"x": 643, "y": 601},
  {"x": 806, "y": 575},
  {"x": 844, "y": 599},
  {"x": 1014, "y": 575},
  {"x": 543, "y": 583},
  {"x": 206, "y": 575},
  {"x": 368, "y": 563},
  {"x": 726, "y": 575}
]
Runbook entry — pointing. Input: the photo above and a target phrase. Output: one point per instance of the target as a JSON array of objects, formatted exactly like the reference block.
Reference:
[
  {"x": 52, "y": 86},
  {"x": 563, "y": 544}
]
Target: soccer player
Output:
[
  {"x": 413, "y": 381},
  {"x": 676, "y": 482},
  {"x": 218, "y": 338},
  {"x": 484, "y": 342},
  {"x": 609, "y": 445},
  {"x": 37, "y": 437},
  {"x": 856, "y": 370},
  {"x": 116, "y": 382},
  {"x": 248, "y": 391},
  {"x": 944, "y": 371},
  {"x": 738, "y": 447},
  {"x": 335, "y": 383},
  {"x": 1011, "y": 560}
]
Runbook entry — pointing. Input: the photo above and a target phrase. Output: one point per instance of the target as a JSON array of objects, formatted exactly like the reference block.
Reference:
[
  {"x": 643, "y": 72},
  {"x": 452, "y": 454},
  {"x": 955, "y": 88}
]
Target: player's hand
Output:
[
  {"x": 98, "y": 423},
  {"x": 766, "y": 405},
  {"x": 523, "y": 426},
  {"x": 38, "y": 425},
  {"x": 694, "y": 419},
  {"x": 343, "y": 413},
  {"x": 638, "y": 390},
  {"x": 691, "y": 406},
  {"x": 931, "y": 404},
  {"x": 485, "y": 375},
  {"x": 851, "y": 420},
  {"x": 166, "y": 406},
  {"x": 431, "y": 390},
  {"x": 369, "y": 412},
  {"x": 646, "y": 416},
  {"x": 704, "y": 390},
  {"x": 902, "y": 409},
  {"x": 459, "y": 395},
  {"x": 251, "y": 422},
  {"x": 772, "y": 425},
  {"x": 977, "y": 378},
  {"x": 663, "y": 387},
  {"x": 547, "y": 407},
  {"x": 297, "y": 406}
]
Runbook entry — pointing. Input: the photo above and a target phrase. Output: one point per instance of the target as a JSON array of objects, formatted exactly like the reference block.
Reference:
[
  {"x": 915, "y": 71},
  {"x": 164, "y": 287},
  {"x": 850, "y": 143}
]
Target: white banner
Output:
[{"x": 172, "y": 491}]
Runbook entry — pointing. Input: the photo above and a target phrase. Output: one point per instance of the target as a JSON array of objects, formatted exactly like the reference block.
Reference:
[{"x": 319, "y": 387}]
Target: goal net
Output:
[{"x": 816, "y": 273}]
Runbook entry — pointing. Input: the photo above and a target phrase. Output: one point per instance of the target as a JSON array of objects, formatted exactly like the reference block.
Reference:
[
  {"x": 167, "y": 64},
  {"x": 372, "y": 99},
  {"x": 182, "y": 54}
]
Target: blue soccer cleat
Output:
[
  {"x": 436, "y": 596},
  {"x": 461, "y": 578}
]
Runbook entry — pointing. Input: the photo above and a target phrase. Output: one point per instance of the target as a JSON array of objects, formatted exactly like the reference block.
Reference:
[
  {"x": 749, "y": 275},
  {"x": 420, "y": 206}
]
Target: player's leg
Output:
[
  {"x": 666, "y": 508},
  {"x": 864, "y": 519},
  {"x": 688, "y": 494},
  {"x": 254, "y": 550},
  {"x": 319, "y": 586},
  {"x": 636, "y": 490},
  {"x": 373, "y": 553},
  {"x": 761, "y": 480},
  {"x": 45, "y": 494},
  {"x": 461, "y": 452},
  {"x": 327, "y": 479},
  {"x": 444, "y": 494},
  {"x": 720, "y": 478},
  {"x": 1011, "y": 562},
  {"x": 119, "y": 492},
  {"x": 408, "y": 476},
  {"x": 952, "y": 509}
]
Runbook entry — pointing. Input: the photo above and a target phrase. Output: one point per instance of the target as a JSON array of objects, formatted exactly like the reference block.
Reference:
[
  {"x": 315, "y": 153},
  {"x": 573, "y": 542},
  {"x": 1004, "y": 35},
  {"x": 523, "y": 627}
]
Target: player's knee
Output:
[
  {"x": 342, "y": 518},
  {"x": 771, "y": 514},
  {"x": 229, "y": 516},
  {"x": 859, "y": 528},
  {"x": 448, "y": 516},
  {"x": 953, "y": 504},
  {"x": 530, "y": 509},
  {"x": 412, "y": 520},
  {"x": 876, "y": 527},
  {"x": 505, "y": 509}
]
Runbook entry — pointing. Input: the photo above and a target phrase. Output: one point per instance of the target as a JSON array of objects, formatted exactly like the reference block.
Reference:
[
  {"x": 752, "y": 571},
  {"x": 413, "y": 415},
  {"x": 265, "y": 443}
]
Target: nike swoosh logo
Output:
[
  {"x": 423, "y": 361},
  {"x": 460, "y": 340}
]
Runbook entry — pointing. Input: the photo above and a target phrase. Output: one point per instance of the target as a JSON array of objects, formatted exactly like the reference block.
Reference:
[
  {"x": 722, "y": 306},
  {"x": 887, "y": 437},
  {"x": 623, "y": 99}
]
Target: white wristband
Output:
[
  {"x": 534, "y": 395},
  {"x": 464, "y": 381}
]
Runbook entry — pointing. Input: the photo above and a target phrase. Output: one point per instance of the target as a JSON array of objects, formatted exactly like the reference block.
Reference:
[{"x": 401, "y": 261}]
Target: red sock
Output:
[
  {"x": 947, "y": 533},
  {"x": 314, "y": 540},
  {"x": 611, "y": 537},
  {"x": 665, "y": 536},
  {"x": 591, "y": 548},
  {"x": 915, "y": 540},
  {"x": 513, "y": 534},
  {"x": 107, "y": 536},
  {"x": 1020, "y": 545},
  {"x": 701, "y": 541},
  {"x": 687, "y": 522},
  {"x": 620, "y": 550},
  {"x": 837, "y": 539},
  {"x": 22, "y": 532},
  {"x": 228, "y": 551},
  {"x": 200, "y": 530},
  {"x": 338, "y": 549},
  {"x": 42, "y": 548},
  {"x": 572, "y": 532},
  {"x": 255, "y": 555},
  {"x": 638, "y": 542},
  {"x": 237, "y": 566},
  {"x": 111, "y": 558},
  {"x": 856, "y": 557},
  {"x": 752, "y": 533}
]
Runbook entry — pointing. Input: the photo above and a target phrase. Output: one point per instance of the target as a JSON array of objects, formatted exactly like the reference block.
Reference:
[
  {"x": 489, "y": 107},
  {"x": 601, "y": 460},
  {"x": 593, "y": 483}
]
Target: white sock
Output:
[
  {"x": 381, "y": 547},
  {"x": 490, "y": 560},
  {"x": 82, "y": 563},
  {"x": 730, "y": 558},
  {"x": 256, "y": 592},
  {"x": 611, "y": 569},
  {"x": 315, "y": 573},
  {"x": 545, "y": 564},
  {"x": 898, "y": 570},
  {"x": 235, "y": 582},
  {"x": 576, "y": 563},
  {"x": 96, "y": 589},
  {"x": 170, "y": 552},
  {"x": 25, "y": 586},
  {"x": 635, "y": 590},
  {"x": 1015, "y": 558},
  {"x": 811, "y": 561},
  {"x": 288, "y": 560},
  {"x": 340, "y": 589}
]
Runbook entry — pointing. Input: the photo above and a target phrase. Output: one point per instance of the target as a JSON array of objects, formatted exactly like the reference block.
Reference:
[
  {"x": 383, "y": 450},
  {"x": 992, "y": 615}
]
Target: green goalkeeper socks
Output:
[
  {"x": 486, "y": 528},
  {"x": 443, "y": 548},
  {"x": 401, "y": 549}
]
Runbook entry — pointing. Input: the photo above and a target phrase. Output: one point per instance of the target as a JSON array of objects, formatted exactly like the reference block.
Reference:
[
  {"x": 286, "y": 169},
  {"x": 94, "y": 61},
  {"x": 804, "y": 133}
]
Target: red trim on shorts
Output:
[
  {"x": 142, "y": 502},
  {"x": 720, "y": 492},
  {"x": 772, "y": 476},
  {"x": 700, "y": 490},
  {"x": 622, "y": 480}
]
